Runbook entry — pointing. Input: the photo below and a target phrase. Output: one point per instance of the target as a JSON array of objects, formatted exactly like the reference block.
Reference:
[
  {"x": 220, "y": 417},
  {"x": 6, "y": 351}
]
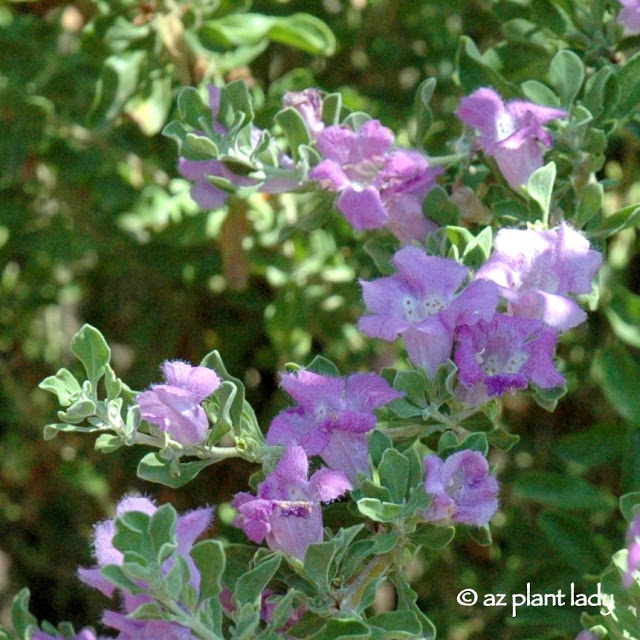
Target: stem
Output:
[
  {"x": 187, "y": 620},
  {"x": 355, "y": 591},
  {"x": 441, "y": 161}
]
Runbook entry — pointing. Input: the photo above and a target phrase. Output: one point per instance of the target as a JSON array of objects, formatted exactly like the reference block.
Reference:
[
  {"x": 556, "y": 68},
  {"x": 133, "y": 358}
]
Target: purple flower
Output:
[
  {"x": 131, "y": 629},
  {"x": 286, "y": 510},
  {"x": 537, "y": 269},
  {"x": 333, "y": 417},
  {"x": 421, "y": 303},
  {"x": 509, "y": 132},
  {"x": 189, "y": 527},
  {"x": 207, "y": 195},
  {"x": 633, "y": 556},
  {"x": 629, "y": 17},
  {"x": 377, "y": 186},
  {"x": 462, "y": 487},
  {"x": 175, "y": 406},
  {"x": 85, "y": 634},
  {"x": 504, "y": 355},
  {"x": 587, "y": 635},
  {"x": 308, "y": 104}
]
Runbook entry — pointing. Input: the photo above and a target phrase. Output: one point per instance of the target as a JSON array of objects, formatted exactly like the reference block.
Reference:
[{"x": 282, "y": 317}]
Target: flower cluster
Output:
[
  {"x": 286, "y": 510},
  {"x": 189, "y": 527},
  {"x": 532, "y": 272},
  {"x": 175, "y": 406},
  {"x": 510, "y": 133},
  {"x": 378, "y": 186}
]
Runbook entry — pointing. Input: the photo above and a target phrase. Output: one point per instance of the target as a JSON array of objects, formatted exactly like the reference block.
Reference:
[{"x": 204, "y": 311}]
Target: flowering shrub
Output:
[{"x": 482, "y": 270}]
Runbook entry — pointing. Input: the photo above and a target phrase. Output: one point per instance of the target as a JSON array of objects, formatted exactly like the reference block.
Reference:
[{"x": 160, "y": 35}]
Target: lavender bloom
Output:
[
  {"x": 175, "y": 406},
  {"x": 85, "y": 634},
  {"x": 629, "y": 17},
  {"x": 633, "y": 557},
  {"x": 377, "y": 187},
  {"x": 333, "y": 417},
  {"x": 463, "y": 490},
  {"x": 504, "y": 355},
  {"x": 287, "y": 510},
  {"x": 131, "y": 629},
  {"x": 509, "y": 132},
  {"x": 308, "y": 103},
  {"x": 207, "y": 195},
  {"x": 586, "y": 635},
  {"x": 189, "y": 527},
  {"x": 421, "y": 304},
  {"x": 535, "y": 271}
]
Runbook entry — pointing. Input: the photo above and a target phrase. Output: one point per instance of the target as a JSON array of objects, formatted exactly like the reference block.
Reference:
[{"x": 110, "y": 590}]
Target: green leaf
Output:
[
  {"x": 438, "y": 206},
  {"x": 540, "y": 188},
  {"x": 590, "y": 203},
  {"x": 394, "y": 474},
  {"x": 321, "y": 559},
  {"x": 342, "y": 629},
  {"x": 324, "y": 367},
  {"x": 482, "y": 535},
  {"x": 623, "y": 219},
  {"x": 502, "y": 439},
  {"x": 601, "y": 444},
  {"x": 412, "y": 383},
  {"x": 566, "y": 536},
  {"x": 149, "y": 107},
  {"x": 154, "y": 469},
  {"x": 630, "y": 505},
  {"x": 192, "y": 108},
  {"x": 116, "y": 576},
  {"x": 395, "y": 625},
  {"x": 250, "y": 586},
  {"x": 210, "y": 560},
  {"x": 20, "y": 615},
  {"x": 332, "y": 109},
  {"x": 539, "y": 93},
  {"x": 561, "y": 491},
  {"x": 379, "y": 511},
  {"x": 566, "y": 73},
  {"x": 305, "y": 32},
  {"x": 618, "y": 372},
  {"x": 118, "y": 82},
  {"x": 162, "y": 532},
  {"x": 406, "y": 601},
  {"x": 629, "y": 83},
  {"x": 379, "y": 442},
  {"x": 602, "y": 92},
  {"x": 294, "y": 128},
  {"x": 64, "y": 385},
  {"x": 474, "y": 71},
  {"x": 90, "y": 347},
  {"x": 432, "y": 536},
  {"x": 424, "y": 117},
  {"x": 108, "y": 443}
]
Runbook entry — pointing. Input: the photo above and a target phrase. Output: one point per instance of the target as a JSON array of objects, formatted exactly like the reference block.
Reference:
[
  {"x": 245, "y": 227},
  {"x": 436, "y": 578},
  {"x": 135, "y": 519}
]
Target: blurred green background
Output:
[{"x": 96, "y": 226}]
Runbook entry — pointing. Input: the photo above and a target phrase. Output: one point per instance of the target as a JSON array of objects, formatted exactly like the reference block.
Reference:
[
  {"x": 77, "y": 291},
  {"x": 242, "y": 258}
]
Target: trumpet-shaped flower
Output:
[
  {"x": 535, "y": 271},
  {"x": 422, "y": 304},
  {"x": 629, "y": 17},
  {"x": 333, "y": 417},
  {"x": 175, "y": 406},
  {"x": 504, "y": 355},
  {"x": 462, "y": 487},
  {"x": 286, "y": 510},
  {"x": 510, "y": 132},
  {"x": 377, "y": 186}
]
